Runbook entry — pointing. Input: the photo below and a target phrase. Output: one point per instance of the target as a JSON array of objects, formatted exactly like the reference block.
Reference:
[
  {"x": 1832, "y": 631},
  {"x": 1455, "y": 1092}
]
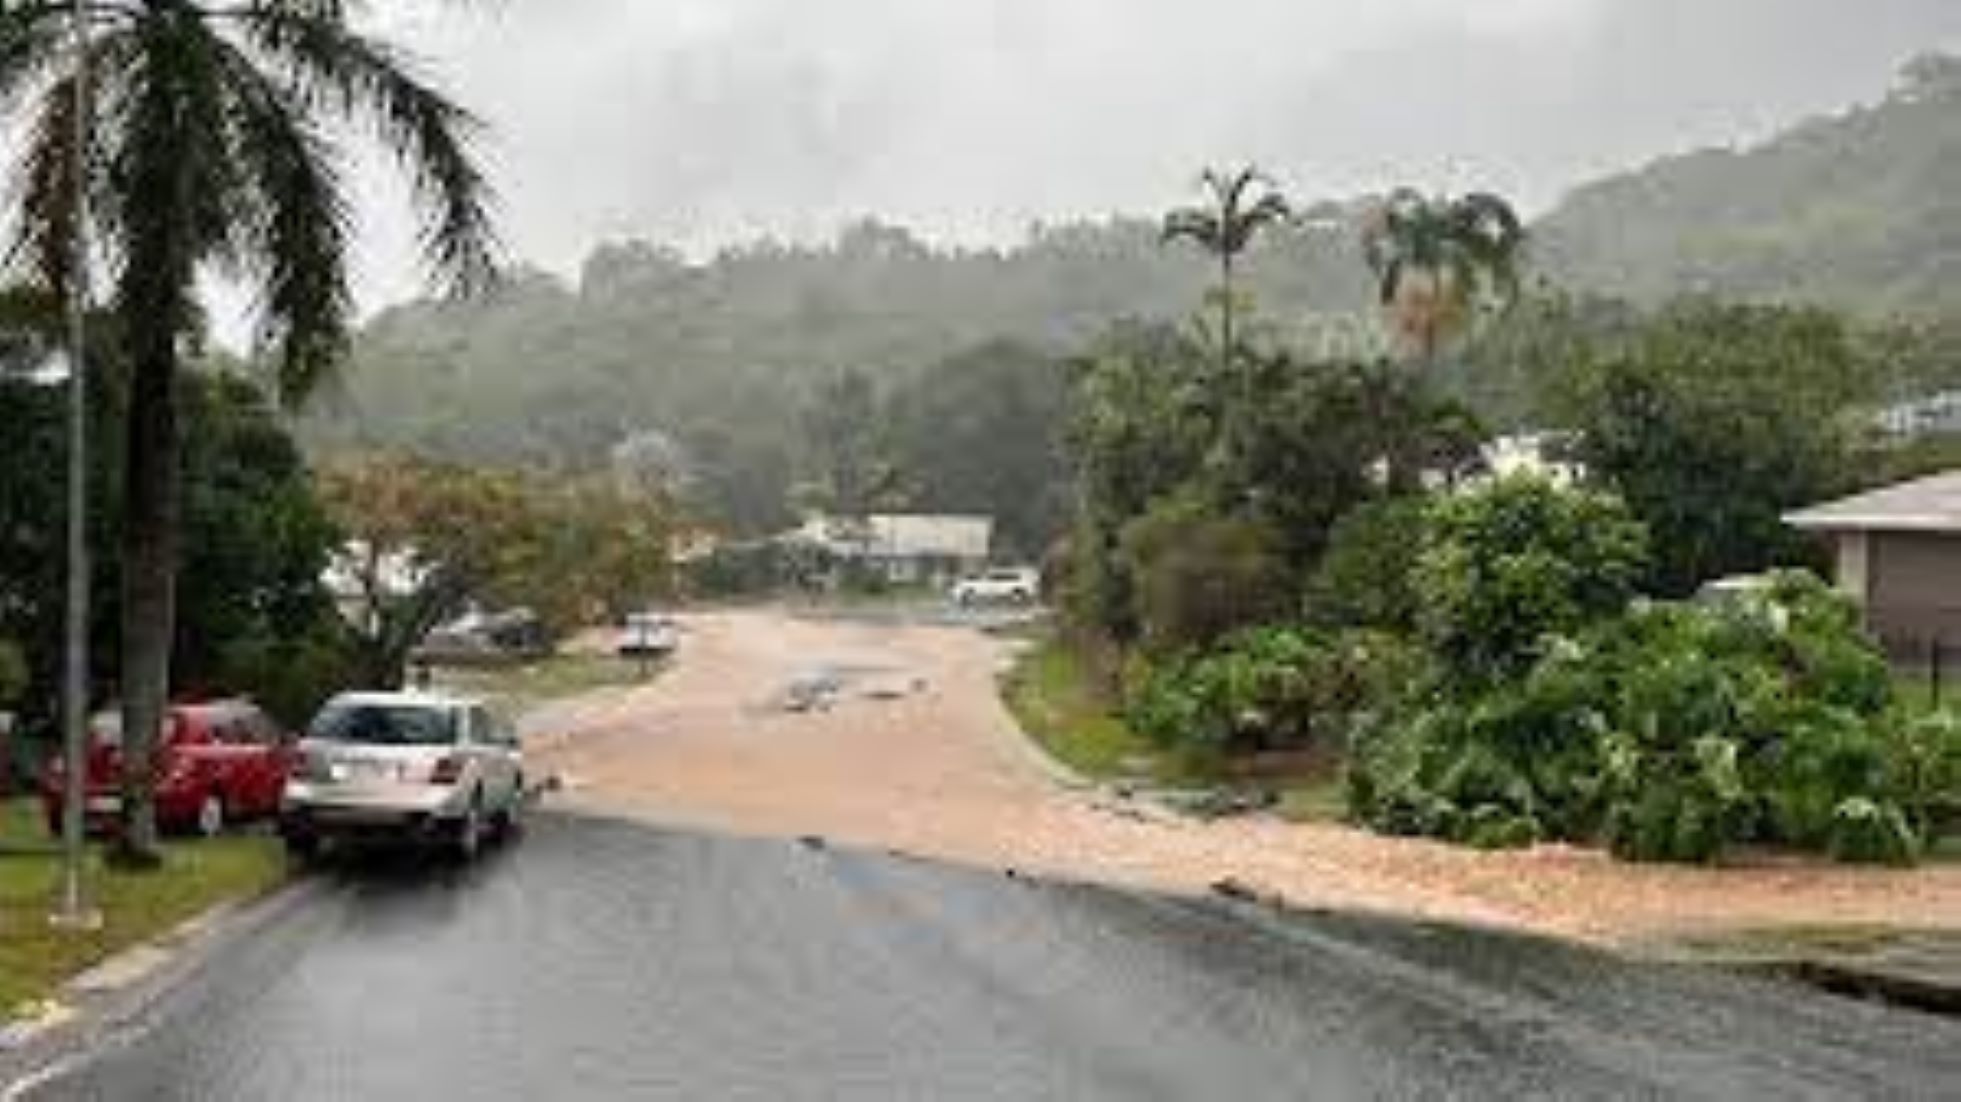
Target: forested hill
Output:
[
  {"x": 1860, "y": 210},
  {"x": 722, "y": 355},
  {"x": 718, "y": 358}
]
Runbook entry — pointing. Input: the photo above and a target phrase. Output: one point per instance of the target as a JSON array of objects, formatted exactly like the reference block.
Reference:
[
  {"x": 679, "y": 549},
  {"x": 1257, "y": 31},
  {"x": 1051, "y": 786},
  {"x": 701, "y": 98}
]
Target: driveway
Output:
[
  {"x": 891, "y": 734},
  {"x": 608, "y": 960}
]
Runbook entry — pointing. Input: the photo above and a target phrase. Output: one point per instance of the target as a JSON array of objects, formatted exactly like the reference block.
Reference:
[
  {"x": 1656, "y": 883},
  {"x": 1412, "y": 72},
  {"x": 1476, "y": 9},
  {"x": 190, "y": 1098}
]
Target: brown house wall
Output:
[{"x": 1914, "y": 588}]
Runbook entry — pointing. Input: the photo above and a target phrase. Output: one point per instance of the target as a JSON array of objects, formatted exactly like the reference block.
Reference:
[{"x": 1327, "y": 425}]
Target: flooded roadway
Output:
[{"x": 609, "y": 961}]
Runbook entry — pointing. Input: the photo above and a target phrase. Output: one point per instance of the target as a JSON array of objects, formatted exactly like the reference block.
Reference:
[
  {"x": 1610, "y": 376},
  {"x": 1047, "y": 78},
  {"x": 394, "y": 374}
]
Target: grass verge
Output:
[
  {"x": 1056, "y": 701},
  {"x": 35, "y": 958},
  {"x": 1058, "y": 704},
  {"x": 521, "y": 687}
]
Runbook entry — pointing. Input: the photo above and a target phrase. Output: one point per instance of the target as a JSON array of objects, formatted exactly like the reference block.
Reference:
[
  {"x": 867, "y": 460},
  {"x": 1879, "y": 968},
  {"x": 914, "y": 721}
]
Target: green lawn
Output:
[
  {"x": 1054, "y": 699},
  {"x": 35, "y": 959},
  {"x": 1321, "y": 799}
]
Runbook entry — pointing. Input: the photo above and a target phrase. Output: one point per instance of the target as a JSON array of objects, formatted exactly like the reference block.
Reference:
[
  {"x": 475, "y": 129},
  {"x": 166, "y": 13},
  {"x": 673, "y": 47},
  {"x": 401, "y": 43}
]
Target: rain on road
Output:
[{"x": 605, "y": 960}]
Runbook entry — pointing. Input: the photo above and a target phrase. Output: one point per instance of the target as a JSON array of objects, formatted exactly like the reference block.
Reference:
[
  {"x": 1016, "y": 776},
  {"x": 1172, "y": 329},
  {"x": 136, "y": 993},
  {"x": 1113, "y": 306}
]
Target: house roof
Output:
[{"x": 1931, "y": 504}]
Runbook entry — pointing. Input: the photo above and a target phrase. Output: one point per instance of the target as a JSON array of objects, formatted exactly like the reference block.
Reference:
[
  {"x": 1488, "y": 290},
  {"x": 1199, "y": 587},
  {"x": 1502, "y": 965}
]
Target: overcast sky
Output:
[{"x": 699, "y": 121}]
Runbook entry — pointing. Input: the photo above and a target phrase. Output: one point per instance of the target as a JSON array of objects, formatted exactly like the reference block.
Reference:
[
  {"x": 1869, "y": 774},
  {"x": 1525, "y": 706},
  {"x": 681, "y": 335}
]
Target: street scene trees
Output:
[
  {"x": 1341, "y": 547},
  {"x": 204, "y": 144}
]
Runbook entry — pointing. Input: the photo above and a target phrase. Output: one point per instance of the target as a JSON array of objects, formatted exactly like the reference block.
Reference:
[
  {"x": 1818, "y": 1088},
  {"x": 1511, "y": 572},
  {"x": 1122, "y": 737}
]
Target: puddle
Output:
[{"x": 821, "y": 688}]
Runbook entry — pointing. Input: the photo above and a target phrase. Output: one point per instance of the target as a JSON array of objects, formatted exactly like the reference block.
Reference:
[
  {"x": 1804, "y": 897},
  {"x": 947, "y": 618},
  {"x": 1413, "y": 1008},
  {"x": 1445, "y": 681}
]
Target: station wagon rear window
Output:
[{"x": 386, "y": 725}]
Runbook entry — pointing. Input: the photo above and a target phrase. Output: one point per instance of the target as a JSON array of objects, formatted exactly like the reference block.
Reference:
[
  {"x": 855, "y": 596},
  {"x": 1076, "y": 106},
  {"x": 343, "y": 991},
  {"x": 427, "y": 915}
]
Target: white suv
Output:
[
  {"x": 404, "y": 767},
  {"x": 1019, "y": 585}
]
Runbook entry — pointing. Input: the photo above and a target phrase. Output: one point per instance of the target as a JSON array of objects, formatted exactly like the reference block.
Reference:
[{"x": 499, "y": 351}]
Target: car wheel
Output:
[
  {"x": 469, "y": 832},
  {"x": 303, "y": 849},
  {"x": 211, "y": 815}
]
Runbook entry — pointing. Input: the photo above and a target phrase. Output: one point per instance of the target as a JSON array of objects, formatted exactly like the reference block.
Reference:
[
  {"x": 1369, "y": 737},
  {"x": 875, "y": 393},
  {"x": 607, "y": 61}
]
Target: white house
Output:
[
  {"x": 1535, "y": 453},
  {"x": 906, "y": 548},
  {"x": 359, "y": 577}
]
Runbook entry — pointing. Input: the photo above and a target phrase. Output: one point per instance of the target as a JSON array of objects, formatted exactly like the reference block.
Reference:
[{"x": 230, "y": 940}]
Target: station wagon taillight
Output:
[{"x": 447, "y": 771}]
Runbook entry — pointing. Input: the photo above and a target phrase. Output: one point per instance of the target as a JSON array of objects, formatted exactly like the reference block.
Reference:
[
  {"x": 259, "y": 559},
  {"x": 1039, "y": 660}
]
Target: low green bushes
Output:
[
  {"x": 1196, "y": 578},
  {"x": 1672, "y": 733},
  {"x": 1269, "y": 689}
]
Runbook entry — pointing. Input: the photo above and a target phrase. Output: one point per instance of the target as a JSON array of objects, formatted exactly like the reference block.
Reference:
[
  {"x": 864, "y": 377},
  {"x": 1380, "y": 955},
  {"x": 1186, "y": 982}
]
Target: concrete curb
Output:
[
  {"x": 1935, "y": 995},
  {"x": 96, "y": 1003},
  {"x": 1124, "y": 800},
  {"x": 1920, "y": 970}
]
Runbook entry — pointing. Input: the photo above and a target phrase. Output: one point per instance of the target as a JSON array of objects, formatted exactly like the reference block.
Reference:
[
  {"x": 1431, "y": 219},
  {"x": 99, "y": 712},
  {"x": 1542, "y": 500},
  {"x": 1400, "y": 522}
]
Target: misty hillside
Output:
[
  {"x": 722, "y": 355},
  {"x": 1860, "y": 210}
]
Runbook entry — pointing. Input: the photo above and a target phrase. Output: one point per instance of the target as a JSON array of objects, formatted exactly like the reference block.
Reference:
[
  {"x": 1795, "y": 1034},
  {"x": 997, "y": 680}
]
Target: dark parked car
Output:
[{"x": 216, "y": 762}]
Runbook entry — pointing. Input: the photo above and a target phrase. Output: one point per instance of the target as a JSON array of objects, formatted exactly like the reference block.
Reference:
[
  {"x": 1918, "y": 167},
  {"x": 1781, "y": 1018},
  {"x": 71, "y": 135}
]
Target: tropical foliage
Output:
[
  {"x": 1510, "y": 566},
  {"x": 1239, "y": 206},
  {"x": 1277, "y": 688},
  {"x": 426, "y": 540},
  {"x": 1438, "y": 261},
  {"x": 254, "y": 617},
  {"x": 207, "y": 147},
  {"x": 1712, "y": 421}
]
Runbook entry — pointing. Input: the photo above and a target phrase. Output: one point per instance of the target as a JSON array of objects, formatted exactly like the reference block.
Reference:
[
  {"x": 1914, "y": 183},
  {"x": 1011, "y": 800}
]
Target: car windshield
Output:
[{"x": 386, "y": 725}]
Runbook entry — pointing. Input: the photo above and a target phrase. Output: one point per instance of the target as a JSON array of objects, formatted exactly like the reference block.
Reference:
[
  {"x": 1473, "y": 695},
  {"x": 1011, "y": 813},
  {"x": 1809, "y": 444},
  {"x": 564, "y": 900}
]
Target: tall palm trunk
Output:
[
  {"x": 153, "y": 491},
  {"x": 1227, "y": 289}
]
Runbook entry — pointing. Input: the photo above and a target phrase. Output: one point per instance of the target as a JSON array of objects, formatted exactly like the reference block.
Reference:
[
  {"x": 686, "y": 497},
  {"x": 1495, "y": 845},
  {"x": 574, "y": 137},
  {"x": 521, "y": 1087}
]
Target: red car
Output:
[{"x": 216, "y": 762}]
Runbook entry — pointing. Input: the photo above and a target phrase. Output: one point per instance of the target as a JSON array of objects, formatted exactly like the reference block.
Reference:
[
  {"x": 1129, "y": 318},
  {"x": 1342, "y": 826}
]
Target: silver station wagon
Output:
[{"x": 415, "y": 768}]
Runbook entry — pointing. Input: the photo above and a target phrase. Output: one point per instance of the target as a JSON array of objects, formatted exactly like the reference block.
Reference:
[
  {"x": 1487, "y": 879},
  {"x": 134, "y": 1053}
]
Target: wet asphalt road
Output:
[{"x": 602, "y": 960}]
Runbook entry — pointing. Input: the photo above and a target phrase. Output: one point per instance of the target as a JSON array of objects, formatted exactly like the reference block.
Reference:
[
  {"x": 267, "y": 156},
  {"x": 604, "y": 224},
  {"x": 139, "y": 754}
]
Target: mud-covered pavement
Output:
[
  {"x": 613, "y": 961},
  {"x": 889, "y": 732}
]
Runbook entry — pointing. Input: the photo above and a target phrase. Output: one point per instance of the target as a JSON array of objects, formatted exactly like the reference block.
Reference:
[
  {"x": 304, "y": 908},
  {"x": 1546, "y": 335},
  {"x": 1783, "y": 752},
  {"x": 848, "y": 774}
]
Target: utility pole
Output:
[{"x": 73, "y": 911}]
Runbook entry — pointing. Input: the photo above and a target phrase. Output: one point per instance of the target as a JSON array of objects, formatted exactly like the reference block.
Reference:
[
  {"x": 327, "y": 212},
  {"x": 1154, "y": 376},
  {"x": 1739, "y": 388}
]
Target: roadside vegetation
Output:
[
  {"x": 35, "y": 958},
  {"x": 1055, "y": 700},
  {"x": 1280, "y": 558}
]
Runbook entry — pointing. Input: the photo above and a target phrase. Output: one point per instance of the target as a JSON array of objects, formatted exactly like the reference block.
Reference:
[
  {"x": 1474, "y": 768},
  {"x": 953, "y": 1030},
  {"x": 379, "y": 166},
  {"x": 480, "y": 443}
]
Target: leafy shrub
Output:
[
  {"x": 1507, "y": 565},
  {"x": 1672, "y": 733},
  {"x": 758, "y": 569},
  {"x": 1364, "y": 579},
  {"x": 1197, "y": 578},
  {"x": 1782, "y": 690},
  {"x": 291, "y": 678},
  {"x": 1870, "y": 832},
  {"x": 1506, "y": 766},
  {"x": 1925, "y": 764},
  {"x": 1273, "y": 688}
]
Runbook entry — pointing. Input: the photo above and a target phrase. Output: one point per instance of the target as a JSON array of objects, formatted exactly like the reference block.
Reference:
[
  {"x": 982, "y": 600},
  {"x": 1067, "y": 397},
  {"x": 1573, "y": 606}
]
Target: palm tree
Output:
[
  {"x": 1437, "y": 259},
  {"x": 210, "y": 150},
  {"x": 1238, "y": 207}
]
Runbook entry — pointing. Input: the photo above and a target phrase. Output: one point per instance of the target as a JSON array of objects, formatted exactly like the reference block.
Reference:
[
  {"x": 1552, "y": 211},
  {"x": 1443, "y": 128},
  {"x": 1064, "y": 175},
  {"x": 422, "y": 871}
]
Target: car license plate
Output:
[
  {"x": 105, "y": 805},
  {"x": 374, "y": 771}
]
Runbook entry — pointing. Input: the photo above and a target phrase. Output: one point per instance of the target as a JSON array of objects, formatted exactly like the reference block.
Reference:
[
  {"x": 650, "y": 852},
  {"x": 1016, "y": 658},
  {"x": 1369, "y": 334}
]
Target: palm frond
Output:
[
  {"x": 296, "y": 223},
  {"x": 46, "y": 223},
  {"x": 432, "y": 135},
  {"x": 31, "y": 41},
  {"x": 1199, "y": 226},
  {"x": 172, "y": 175}
]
